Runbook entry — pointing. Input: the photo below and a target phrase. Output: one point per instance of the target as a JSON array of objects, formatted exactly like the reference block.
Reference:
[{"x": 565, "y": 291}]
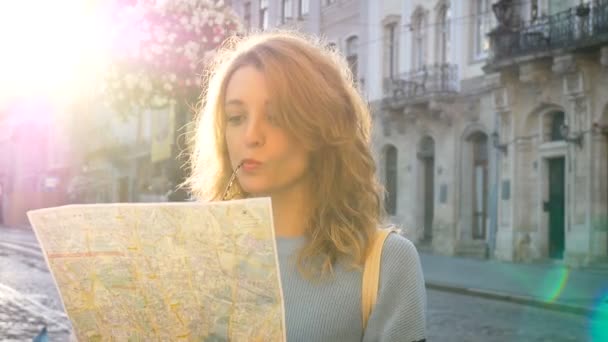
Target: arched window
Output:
[
  {"x": 391, "y": 49},
  {"x": 264, "y": 14},
  {"x": 390, "y": 159},
  {"x": 286, "y": 10},
  {"x": 303, "y": 7},
  {"x": 557, "y": 120},
  {"x": 352, "y": 45},
  {"x": 419, "y": 39},
  {"x": 247, "y": 15},
  {"x": 482, "y": 14},
  {"x": 443, "y": 34}
]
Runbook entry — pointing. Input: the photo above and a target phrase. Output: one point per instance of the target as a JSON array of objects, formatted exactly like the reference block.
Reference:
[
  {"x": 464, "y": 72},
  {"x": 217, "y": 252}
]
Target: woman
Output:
[{"x": 284, "y": 112}]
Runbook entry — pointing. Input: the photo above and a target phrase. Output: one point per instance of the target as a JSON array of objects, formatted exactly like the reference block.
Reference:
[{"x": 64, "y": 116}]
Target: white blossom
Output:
[
  {"x": 195, "y": 20},
  {"x": 172, "y": 36},
  {"x": 145, "y": 84},
  {"x": 160, "y": 34},
  {"x": 157, "y": 49},
  {"x": 130, "y": 81},
  {"x": 159, "y": 101}
]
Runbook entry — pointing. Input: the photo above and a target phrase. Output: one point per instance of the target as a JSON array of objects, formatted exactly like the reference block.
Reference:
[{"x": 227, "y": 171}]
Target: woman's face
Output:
[{"x": 272, "y": 161}]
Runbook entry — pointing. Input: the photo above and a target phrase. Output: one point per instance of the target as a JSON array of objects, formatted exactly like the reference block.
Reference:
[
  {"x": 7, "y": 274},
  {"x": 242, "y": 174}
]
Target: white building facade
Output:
[{"x": 465, "y": 133}]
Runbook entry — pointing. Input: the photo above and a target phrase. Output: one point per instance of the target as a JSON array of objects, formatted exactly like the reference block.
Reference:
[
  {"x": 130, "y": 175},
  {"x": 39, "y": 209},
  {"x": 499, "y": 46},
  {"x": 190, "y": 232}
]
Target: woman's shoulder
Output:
[
  {"x": 398, "y": 244},
  {"x": 399, "y": 252}
]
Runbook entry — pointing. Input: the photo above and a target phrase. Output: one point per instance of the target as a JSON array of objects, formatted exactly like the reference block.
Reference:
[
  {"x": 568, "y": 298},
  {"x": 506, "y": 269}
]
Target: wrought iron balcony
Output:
[
  {"x": 430, "y": 81},
  {"x": 581, "y": 27}
]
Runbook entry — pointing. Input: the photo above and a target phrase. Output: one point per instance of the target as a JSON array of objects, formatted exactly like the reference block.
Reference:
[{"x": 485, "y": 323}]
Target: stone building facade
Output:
[
  {"x": 468, "y": 124},
  {"x": 549, "y": 77}
]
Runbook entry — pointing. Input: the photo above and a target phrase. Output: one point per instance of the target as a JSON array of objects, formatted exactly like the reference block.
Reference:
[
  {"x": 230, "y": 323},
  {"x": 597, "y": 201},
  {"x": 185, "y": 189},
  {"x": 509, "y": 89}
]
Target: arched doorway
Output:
[
  {"x": 479, "y": 184},
  {"x": 600, "y": 185},
  {"x": 555, "y": 201},
  {"x": 390, "y": 179},
  {"x": 426, "y": 181},
  {"x": 604, "y": 132}
]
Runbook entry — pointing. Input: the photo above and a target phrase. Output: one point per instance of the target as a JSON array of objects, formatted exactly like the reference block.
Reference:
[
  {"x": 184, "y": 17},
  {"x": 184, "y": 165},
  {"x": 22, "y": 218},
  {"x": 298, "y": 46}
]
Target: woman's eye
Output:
[{"x": 235, "y": 119}]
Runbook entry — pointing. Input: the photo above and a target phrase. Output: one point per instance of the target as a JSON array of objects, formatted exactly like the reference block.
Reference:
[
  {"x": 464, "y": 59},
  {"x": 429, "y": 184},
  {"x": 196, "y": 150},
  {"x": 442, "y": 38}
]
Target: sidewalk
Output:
[
  {"x": 23, "y": 233},
  {"x": 556, "y": 287}
]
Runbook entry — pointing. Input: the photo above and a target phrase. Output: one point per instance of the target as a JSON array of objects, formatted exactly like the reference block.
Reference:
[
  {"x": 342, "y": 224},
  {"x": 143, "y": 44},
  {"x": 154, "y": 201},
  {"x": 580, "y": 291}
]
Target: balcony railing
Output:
[
  {"x": 421, "y": 84},
  {"x": 579, "y": 27}
]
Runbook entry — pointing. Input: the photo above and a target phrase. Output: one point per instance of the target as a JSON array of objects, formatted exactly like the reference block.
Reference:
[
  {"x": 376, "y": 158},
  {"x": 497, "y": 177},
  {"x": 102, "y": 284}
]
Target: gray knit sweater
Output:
[{"x": 331, "y": 310}]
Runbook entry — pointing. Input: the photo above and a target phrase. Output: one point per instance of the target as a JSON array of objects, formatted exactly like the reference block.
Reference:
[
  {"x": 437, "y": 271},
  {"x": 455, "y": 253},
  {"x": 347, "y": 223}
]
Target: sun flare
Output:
[{"x": 51, "y": 48}]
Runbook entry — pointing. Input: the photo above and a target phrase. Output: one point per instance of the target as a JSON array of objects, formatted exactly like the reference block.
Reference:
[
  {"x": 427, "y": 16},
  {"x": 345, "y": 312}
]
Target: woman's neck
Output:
[{"x": 291, "y": 211}]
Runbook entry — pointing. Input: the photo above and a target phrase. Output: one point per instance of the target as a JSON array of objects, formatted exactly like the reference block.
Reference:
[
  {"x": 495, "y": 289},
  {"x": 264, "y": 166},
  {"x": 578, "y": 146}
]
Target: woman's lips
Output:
[{"x": 250, "y": 164}]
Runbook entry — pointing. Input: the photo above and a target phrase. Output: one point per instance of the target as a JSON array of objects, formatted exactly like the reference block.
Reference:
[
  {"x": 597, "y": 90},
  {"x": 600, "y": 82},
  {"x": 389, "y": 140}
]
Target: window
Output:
[
  {"x": 303, "y": 7},
  {"x": 557, "y": 120},
  {"x": 352, "y": 45},
  {"x": 390, "y": 50},
  {"x": 419, "y": 40},
  {"x": 286, "y": 10},
  {"x": 534, "y": 10},
  {"x": 247, "y": 14},
  {"x": 556, "y": 6},
  {"x": 263, "y": 14},
  {"x": 483, "y": 20},
  {"x": 443, "y": 34},
  {"x": 391, "y": 180}
]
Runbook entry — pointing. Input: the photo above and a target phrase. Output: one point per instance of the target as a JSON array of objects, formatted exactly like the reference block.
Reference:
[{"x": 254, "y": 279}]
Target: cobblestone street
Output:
[
  {"x": 28, "y": 301},
  {"x": 455, "y": 317}
]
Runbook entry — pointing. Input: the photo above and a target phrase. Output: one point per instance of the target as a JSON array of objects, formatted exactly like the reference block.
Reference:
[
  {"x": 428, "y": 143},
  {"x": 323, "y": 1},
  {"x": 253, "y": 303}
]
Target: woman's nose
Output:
[{"x": 255, "y": 132}]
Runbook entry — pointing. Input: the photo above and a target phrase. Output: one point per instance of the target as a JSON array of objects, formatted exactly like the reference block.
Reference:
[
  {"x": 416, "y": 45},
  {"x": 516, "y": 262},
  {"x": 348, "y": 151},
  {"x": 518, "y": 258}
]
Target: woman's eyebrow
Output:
[
  {"x": 234, "y": 102},
  {"x": 240, "y": 103}
]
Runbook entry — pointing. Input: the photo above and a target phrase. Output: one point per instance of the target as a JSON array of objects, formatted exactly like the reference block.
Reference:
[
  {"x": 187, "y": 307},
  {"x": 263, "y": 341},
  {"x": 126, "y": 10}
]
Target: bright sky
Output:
[{"x": 50, "y": 48}]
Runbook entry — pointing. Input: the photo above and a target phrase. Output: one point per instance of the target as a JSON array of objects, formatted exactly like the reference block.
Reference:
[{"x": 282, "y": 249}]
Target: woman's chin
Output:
[{"x": 255, "y": 191}]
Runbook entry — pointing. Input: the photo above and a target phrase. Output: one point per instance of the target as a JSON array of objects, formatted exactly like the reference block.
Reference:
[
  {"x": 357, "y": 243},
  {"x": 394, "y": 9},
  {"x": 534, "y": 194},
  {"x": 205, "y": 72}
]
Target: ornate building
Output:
[
  {"x": 489, "y": 123},
  {"x": 549, "y": 75}
]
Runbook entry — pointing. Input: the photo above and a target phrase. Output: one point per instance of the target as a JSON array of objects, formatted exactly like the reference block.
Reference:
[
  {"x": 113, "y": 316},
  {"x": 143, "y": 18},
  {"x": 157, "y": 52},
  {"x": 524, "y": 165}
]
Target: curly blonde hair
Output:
[{"x": 317, "y": 103}]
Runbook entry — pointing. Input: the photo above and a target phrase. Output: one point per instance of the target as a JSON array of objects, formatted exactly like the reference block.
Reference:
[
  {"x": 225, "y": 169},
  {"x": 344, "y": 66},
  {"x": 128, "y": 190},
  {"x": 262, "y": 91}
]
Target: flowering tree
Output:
[{"x": 159, "y": 49}]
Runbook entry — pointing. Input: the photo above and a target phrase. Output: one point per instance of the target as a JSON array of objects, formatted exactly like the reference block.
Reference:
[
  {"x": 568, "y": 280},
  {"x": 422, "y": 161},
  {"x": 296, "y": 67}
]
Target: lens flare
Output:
[
  {"x": 555, "y": 284},
  {"x": 599, "y": 320}
]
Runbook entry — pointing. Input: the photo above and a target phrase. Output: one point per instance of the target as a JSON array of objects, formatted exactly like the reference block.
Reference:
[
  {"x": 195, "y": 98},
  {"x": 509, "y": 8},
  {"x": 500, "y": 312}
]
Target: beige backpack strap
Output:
[{"x": 371, "y": 274}]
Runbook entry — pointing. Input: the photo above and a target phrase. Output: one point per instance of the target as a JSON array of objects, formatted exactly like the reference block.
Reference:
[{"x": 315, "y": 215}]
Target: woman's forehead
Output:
[{"x": 247, "y": 84}]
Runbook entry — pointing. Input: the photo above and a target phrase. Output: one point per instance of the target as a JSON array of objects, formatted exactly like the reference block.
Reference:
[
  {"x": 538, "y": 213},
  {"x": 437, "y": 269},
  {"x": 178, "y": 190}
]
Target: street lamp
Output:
[
  {"x": 576, "y": 138},
  {"x": 504, "y": 13},
  {"x": 497, "y": 145},
  {"x": 600, "y": 129}
]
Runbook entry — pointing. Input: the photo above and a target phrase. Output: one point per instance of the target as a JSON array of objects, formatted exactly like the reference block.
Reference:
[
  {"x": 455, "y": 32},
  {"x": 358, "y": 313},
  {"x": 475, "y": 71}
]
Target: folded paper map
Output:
[{"x": 166, "y": 271}]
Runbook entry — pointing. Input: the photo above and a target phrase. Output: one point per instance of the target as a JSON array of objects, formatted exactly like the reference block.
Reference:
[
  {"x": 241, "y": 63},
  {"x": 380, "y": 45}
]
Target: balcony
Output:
[
  {"x": 420, "y": 86},
  {"x": 583, "y": 27}
]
